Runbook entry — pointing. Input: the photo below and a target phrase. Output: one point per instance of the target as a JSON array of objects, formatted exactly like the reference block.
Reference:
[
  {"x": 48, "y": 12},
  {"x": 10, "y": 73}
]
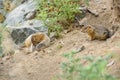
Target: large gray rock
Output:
[
  {"x": 19, "y": 34},
  {"x": 18, "y": 2},
  {"x": 11, "y": 2},
  {"x": 17, "y": 16},
  {"x": 21, "y": 22}
]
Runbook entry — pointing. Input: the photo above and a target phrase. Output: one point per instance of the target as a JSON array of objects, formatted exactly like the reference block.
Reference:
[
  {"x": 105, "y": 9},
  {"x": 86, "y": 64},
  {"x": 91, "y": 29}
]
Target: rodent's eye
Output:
[{"x": 105, "y": 33}]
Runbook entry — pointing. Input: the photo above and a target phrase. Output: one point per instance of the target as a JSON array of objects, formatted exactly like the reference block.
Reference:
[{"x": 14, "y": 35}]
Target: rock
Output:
[
  {"x": 18, "y": 2},
  {"x": 93, "y": 12},
  {"x": 81, "y": 48},
  {"x": 111, "y": 63},
  {"x": 30, "y": 15},
  {"x": 21, "y": 22},
  {"x": 82, "y": 22},
  {"x": 83, "y": 9},
  {"x": 6, "y": 6},
  {"x": 48, "y": 51},
  {"x": 52, "y": 36},
  {"x": 19, "y": 34},
  {"x": 104, "y": 8},
  {"x": 9, "y": 5},
  {"x": 17, "y": 16}
]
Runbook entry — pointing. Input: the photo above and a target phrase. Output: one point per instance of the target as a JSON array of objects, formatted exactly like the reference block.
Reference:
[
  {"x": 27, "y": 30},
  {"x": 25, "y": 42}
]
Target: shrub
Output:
[
  {"x": 94, "y": 69},
  {"x": 57, "y": 14}
]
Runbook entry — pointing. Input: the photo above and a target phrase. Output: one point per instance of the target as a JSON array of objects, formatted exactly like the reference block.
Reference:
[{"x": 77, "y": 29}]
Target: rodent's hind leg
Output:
[{"x": 31, "y": 49}]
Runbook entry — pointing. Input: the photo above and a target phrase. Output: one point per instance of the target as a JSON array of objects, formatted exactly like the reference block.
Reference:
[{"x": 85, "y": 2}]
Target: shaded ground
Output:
[{"x": 44, "y": 65}]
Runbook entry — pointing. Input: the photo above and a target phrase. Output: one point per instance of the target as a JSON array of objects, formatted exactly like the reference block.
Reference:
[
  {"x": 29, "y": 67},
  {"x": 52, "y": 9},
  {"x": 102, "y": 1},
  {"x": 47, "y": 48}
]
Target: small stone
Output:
[
  {"x": 48, "y": 51},
  {"x": 93, "y": 12},
  {"x": 30, "y": 15},
  {"x": 104, "y": 8},
  {"x": 65, "y": 31},
  {"x": 111, "y": 63},
  {"x": 80, "y": 48},
  {"x": 84, "y": 9}
]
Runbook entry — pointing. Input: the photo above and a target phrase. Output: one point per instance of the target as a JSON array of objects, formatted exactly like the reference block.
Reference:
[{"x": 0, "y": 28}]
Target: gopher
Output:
[
  {"x": 40, "y": 40},
  {"x": 36, "y": 41},
  {"x": 98, "y": 32}
]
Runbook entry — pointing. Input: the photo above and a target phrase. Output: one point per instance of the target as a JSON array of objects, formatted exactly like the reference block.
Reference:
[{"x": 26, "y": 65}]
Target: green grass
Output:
[
  {"x": 92, "y": 68},
  {"x": 57, "y": 14}
]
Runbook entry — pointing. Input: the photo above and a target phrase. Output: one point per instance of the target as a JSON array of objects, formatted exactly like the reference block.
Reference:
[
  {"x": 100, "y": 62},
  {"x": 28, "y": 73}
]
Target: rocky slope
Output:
[{"x": 44, "y": 65}]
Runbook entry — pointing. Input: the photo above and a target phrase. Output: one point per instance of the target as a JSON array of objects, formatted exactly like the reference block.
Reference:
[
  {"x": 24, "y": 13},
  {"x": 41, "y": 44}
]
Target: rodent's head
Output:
[
  {"x": 87, "y": 29},
  {"x": 37, "y": 38},
  {"x": 34, "y": 39}
]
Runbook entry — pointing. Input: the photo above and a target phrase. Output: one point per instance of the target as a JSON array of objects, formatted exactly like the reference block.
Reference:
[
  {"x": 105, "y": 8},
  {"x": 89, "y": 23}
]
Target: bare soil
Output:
[{"x": 44, "y": 65}]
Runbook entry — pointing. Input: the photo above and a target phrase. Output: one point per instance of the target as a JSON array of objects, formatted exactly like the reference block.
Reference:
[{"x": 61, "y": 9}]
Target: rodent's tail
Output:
[{"x": 114, "y": 29}]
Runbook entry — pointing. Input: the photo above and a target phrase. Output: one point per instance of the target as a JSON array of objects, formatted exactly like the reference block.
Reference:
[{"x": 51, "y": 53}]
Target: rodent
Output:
[
  {"x": 98, "y": 32},
  {"x": 36, "y": 41},
  {"x": 40, "y": 40}
]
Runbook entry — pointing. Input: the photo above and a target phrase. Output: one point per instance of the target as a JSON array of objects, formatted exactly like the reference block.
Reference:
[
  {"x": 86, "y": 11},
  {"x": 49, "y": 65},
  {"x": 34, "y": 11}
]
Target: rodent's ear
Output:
[{"x": 105, "y": 33}]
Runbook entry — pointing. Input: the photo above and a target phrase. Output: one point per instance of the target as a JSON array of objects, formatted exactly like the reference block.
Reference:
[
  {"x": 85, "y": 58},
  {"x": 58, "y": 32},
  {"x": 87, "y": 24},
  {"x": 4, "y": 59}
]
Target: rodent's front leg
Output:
[
  {"x": 92, "y": 37},
  {"x": 39, "y": 46}
]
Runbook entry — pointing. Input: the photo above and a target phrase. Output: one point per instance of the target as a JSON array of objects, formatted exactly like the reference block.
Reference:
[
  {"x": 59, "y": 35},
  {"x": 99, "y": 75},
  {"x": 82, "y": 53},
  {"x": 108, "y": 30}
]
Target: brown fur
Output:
[
  {"x": 36, "y": 41},
  {"x": 37, "y": 38},
  {"x": 99, "y": 32}
]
